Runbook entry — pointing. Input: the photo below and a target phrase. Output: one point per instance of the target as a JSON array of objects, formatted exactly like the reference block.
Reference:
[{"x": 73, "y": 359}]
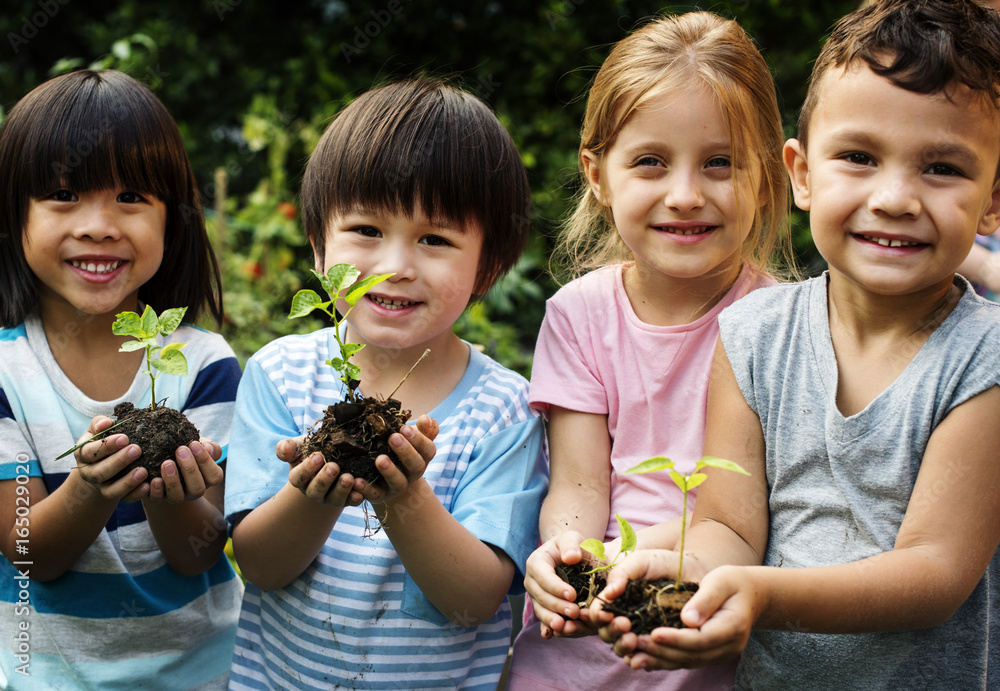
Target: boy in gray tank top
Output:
[{"x": 862, "y": 551}]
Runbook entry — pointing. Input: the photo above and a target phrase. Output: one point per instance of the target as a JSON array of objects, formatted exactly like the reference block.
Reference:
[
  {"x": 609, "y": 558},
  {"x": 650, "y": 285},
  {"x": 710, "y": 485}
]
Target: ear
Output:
[
  {"x": 592, "y": 171},
  {"x": 797, "y": 166},
  {"x": 990, "y": 220}
]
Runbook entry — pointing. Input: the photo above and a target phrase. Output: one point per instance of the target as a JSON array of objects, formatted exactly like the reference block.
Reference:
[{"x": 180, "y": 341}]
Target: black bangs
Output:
[
  {"x": 418, "y": 148},
  {"x": 421, "y": 145},
  {"x": 96, "y": 131}
]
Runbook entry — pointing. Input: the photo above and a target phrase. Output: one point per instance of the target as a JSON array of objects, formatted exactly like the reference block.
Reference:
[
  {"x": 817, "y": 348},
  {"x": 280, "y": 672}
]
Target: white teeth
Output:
[
  {"x": 885, "y": 242},
  {"x": 688, "y": 231},
  {"x": 99, "y": 268},
  {"x": 390, "y": 304}
]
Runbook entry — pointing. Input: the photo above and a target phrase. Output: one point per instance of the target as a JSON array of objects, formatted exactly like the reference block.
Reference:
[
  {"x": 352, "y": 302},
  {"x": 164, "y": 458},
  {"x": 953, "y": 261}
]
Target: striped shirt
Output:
[
  {"x": 354, "y": 617},
  {"x": 120, "y": 617}
]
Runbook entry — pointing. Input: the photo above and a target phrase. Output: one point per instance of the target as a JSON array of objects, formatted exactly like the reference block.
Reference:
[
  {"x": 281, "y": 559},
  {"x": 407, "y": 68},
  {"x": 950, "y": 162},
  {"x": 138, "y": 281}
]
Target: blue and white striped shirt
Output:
[
  {"x": 120, "y": 617},
  {"x": 354, "y": 617}
]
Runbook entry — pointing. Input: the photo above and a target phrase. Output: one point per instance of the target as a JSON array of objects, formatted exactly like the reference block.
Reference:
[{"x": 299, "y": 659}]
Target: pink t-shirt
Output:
[{"x": 594, "y": 355}]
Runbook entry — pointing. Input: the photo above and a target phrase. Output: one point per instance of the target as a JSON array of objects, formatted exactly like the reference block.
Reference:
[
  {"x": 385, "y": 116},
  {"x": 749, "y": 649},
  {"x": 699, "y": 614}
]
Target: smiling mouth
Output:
[
  {"x": 97, "y": 267},
  {"x": 390, "y": 304},
  {"x": 885, "y": 242},
  {"x": 690, "y": 231}
]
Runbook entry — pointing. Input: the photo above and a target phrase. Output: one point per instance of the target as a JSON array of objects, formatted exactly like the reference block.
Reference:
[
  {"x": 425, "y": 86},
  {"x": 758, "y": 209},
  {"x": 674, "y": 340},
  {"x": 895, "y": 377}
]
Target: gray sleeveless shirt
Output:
[{"x": 839, "y": 487}]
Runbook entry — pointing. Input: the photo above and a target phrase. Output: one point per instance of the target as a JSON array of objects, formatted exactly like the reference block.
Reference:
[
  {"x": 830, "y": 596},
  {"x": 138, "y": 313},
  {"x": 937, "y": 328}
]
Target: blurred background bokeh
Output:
[{"x": 252, "y": 84}]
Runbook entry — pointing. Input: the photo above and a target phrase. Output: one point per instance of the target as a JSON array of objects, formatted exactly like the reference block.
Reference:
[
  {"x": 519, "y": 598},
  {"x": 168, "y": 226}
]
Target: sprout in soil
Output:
[
  {"x": 686, "y": 483},
  {"x": 167, "y": 359},
  {"x": 340, "y": 283},
  {"x": 596, "y": 547}
]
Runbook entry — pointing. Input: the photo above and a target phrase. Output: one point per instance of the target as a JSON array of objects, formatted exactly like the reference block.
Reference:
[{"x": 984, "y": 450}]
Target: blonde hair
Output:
[{"x": 670, "y": 53}]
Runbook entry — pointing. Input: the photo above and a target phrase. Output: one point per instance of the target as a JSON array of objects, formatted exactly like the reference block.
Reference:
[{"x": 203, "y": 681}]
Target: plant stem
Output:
[
  {"x": 408, "y": 373},
  {"x": 680, "y": 560},
  {"x": 152, "y": 380}
]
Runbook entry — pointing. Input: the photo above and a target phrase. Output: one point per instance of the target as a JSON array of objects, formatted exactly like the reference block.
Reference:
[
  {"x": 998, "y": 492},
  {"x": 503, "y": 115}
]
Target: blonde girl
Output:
[{"x": 683, "y": 201}]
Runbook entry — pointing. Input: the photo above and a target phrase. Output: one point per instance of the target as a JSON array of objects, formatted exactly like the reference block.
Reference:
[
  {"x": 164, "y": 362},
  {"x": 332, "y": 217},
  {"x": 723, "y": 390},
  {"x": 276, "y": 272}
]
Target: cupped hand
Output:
[
  {"x": 100, "y": 461},
  {"x": 552, "y": 598},
  {"x": 414, "y": 446},
  {"x": 187, "y": 477}
]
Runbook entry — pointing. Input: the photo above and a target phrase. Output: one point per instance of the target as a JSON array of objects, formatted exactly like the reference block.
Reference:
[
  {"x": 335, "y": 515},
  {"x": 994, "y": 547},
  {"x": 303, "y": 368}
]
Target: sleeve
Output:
[
  {"x": 563, "y": 372},
  {"x": 254, "y": 473},
  {"x": 210, "y": 401},
  {"x": 737, "y": 334},
  {"x": 500, "y": 495},
  {"x": 18, "y": 459}
]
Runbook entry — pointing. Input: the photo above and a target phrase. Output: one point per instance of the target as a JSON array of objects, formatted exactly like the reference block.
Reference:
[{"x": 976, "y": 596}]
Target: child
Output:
[
  {"x": 102, "y": 216},
  {"x": 419, "y": 180},
  {"x": 684, "y": 196},
  {"x": 863, "y": 401}
]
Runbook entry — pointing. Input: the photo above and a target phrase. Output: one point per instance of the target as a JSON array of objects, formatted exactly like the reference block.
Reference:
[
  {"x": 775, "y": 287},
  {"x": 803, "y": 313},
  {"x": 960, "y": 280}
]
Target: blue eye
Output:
[
  {"x": 647, "y": 161},
  {"x": 718, "y": 162}
]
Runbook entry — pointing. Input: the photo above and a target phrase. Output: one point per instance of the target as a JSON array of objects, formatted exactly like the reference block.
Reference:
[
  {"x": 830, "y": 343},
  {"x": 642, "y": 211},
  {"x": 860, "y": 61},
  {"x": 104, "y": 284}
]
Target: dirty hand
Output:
[
  {"x": 319, "y": 481},
  {"x": 198, "y": 472},
  {"x": 414, "y": 445},
  {"x": 98, "y": 462},
  {"x": 553, "y": 600}
]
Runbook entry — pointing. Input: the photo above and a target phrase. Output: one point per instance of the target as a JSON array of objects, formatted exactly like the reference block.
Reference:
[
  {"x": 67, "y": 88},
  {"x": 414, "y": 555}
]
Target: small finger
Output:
[{"x": 173, "y": 489}]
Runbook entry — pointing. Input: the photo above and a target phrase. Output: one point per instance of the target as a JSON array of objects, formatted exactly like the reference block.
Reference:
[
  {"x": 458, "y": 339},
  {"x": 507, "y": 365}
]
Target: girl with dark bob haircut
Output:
[
  {"x": 88, "y": 131},
  {"x": 101, "y": 216},
  {"x": 431, "y": 144}
]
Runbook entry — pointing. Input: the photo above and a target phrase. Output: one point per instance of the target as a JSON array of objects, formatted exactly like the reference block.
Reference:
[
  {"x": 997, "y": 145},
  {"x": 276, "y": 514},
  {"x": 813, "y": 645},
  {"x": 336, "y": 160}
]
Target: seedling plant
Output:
[
  {"x": 651, "y": 604},
  {"x": 157, "y": 430}
]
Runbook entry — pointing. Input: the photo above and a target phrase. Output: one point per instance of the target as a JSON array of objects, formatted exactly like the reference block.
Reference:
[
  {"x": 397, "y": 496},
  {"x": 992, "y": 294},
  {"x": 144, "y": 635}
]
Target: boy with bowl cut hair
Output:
[{"x": 862, "y": 551}]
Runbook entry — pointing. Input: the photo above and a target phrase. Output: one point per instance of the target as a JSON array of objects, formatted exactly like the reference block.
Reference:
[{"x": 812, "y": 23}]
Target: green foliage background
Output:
[{"x": 252, "y": 84}]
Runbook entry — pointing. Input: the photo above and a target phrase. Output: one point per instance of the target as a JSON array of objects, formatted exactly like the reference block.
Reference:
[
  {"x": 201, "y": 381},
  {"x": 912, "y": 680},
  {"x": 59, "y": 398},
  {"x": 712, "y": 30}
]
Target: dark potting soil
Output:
[
  {"x": 353, "y": 435},
  {"x": 584, "y": 580},
  {"x": 652, "y": 604},
  {"x": 157, "y": 432}
]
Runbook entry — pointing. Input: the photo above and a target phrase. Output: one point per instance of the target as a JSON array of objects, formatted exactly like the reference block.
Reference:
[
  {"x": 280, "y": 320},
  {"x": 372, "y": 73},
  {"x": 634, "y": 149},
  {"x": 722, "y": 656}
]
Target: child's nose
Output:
[
  {"x": 396, "y": 258},
  {"x": 683, "y": 192},
  {"x": 894, "y": 195},
  {"x": 98, "y": 222}
]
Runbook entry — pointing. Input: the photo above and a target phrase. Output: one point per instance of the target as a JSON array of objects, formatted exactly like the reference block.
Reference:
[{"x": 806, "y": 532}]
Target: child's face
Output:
[
  {"x": 94, "y": 250},
  {"x": 897, "y": 183},
  {"x": 435, "y": 269},
  {"x": 679, "y": 202}
]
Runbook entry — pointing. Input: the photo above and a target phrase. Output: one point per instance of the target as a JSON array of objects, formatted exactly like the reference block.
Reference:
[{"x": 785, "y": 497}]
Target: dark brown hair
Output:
[
  {"x": 422, "y": 143},
  {"x": 919, "y": 45},
  {"x": 98, "y": 130}
]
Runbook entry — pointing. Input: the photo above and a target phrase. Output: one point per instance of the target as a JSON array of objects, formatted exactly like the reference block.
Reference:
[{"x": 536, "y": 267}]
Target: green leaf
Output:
[
  {"x": 171, "y": 360},
  {"x": 129, "y": 346},
  {"x": 595, "y": 547},
  {"x": 679, "y": 480},
  {"x": 170, "y": 319},
  {"x": 362, "y": 287},
  {"x": 720, "y": 463},
  {"x": 350, "y": 349},
  {"x": 352, "y": 370},
  {"x": 336, "y": 363},
  {"x": 628, "y": 535},
  {"x": 695, "y": 479},
  {"x": 304, "y": 302},
  {"x": 148, "y": 323},
  {"x": 127, "y": 324},
  {"x": 651, "y": 465},
  {"x": 338, "y": 278}
]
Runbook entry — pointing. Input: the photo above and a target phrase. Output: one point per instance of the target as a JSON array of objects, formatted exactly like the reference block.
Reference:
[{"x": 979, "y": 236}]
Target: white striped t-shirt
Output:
[
  {"x": 120, "y": 617},
  {"x": 354, "y": 618}
]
